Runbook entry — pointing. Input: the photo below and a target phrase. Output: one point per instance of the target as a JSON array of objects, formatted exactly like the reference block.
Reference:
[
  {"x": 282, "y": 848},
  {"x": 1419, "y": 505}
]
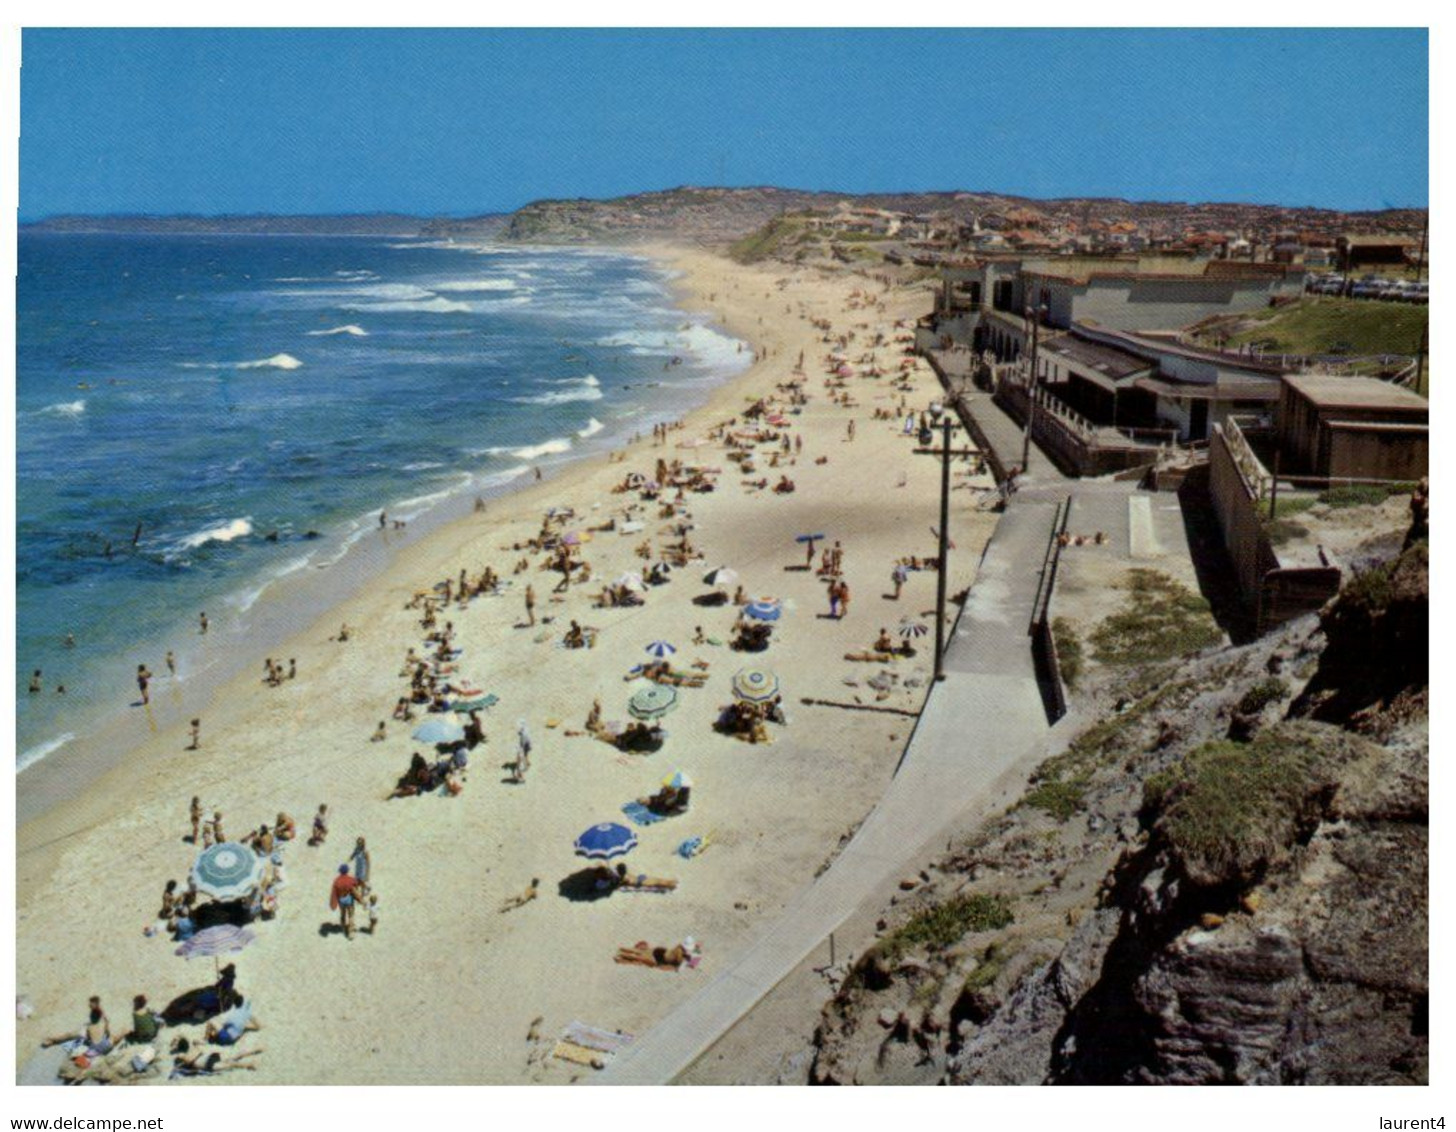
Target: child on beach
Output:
[
  {"x": 196, "y": 732},
  {"x": 320, "y": 826}
]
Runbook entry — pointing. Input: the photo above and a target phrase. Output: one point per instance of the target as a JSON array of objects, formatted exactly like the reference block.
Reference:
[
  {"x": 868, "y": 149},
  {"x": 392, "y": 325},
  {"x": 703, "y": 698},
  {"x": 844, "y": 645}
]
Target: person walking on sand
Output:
[
  {"x": 834, "y": 601},
  {"x": 898, "y": 577},
  {"x": 360, "y": 862},
  {"x": 523, "y": 752},
  {"x": 144, "y": 679},
  {"x": 843, "y": 599},
  {"x": 196, "y": 731},
  {"x": 320, "y": 826},
  {"x": 171, "y": 665},
  {"x": 530, "y": 605},
  {"x": 383, "y": 520},
  {"x": 195, "y": 813},
  {"x": 342, "y": 898},
  {"x": 202, "y": 623}
]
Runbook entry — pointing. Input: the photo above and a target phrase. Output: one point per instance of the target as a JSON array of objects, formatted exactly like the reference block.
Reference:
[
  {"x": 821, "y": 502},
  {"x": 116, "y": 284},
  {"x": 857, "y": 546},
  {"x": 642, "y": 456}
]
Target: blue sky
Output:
[{"x": 457, "y": 122}]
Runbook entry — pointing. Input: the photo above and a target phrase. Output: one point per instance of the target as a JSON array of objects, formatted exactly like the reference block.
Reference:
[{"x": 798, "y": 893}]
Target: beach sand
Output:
[{"x": 448, "y": 989}]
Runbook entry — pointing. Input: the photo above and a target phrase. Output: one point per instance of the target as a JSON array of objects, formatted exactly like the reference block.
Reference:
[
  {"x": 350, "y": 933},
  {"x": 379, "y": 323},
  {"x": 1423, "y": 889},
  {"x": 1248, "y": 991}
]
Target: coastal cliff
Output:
[{"x": 1235, "y": 892}]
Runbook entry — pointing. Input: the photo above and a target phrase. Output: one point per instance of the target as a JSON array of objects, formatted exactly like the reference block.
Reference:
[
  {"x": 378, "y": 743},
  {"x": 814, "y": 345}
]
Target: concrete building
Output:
[
  {"x": 1351, "y": 428},
  {"x": 1355, "y": 252}
]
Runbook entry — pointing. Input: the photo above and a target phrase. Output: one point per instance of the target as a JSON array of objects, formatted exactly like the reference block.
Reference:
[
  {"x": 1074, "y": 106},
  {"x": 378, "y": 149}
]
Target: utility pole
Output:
[
  {"x": 1421, "y": 256},
  {"x": 945, "y": 452},
  {"x": 1033, "y": 313}
]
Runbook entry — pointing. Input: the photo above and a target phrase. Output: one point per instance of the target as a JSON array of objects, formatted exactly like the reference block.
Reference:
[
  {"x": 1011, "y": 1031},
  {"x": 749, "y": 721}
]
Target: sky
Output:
[{"x": 455, "y": 122}]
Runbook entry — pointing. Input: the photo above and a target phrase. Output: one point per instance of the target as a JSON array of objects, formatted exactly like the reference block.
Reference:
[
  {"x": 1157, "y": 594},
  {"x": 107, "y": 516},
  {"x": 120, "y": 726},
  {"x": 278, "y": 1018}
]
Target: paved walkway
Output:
[{"x": 977, "y": 723}]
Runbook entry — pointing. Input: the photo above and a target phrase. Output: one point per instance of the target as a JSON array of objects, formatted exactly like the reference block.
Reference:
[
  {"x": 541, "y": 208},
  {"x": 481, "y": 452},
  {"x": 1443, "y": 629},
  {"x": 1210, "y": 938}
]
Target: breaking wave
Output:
[{"x": 351, "y": 329}]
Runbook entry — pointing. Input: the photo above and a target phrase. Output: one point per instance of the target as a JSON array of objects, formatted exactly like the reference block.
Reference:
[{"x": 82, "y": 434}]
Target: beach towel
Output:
[
  {"x": 694, "y": 846},
  {"x": 478, "y": 704},
  {"x": 639, "y": 814},
  {"x": 579, "y": 1055},
  {"x": 592, "y": 1037}
]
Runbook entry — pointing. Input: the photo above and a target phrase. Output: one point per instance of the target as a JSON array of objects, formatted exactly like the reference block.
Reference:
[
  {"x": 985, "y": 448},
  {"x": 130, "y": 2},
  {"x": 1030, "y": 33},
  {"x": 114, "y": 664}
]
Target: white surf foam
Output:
[
  {"x": 277, "y": 361},
  {"x": 65, "y": 408},
  {"x": 593, "y": 427},
  {"x": 586, "y": 388},
  {"x": 435, "y": 305},
  {"x": 552, "y": 447},
  {"x": 351, "y": 329},
  {"x": 469, "y": 285},
  {"x": 224, "y": 532},
  {"x": 41, "y": 750}
]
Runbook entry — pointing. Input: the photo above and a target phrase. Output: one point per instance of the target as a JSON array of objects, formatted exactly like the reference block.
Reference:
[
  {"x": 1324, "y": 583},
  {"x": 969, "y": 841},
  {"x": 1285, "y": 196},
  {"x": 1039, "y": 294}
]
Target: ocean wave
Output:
[
  {"x": 553, "y": 447},
  {"x": 468, "y": 285},
  {"x": 350, "y": 329},
  {"x": 593, "y": 427},
  {"x": 422, "y": 466},
  {"x": 65, "y": 409},
  {"x": 499, "y": 479},
  {"x": 41, "y": 750},
  {"x": 579, "y": 389},
  {"x": 224, "y": 532},
  {"x": 277, "y": 361},
  {"x": 435, "y": 305}
]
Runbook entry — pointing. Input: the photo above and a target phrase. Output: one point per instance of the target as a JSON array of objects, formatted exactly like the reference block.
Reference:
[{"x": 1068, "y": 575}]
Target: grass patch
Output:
[
  {"x": 1070, "y": 656},
  {"x": 1281, "y": 532},
  {"x": 988, "y": 970},
  {"x": 1262, "y": 694},
  {"x": 1229, "y": 809},
  {"x": 938, "y": 927},
  {"x": 1346, "y": 326},
  {"x": 1060, "y": 799},
  {"x": 767, "y": 241},
  {"x": 1362, "y": 494},
  {"x": 1163, "y": 619}
]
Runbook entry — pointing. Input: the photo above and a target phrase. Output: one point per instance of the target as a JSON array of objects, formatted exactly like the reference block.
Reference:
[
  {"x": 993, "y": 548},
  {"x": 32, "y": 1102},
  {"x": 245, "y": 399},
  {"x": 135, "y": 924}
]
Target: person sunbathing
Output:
[
  {"x": 199, "y": 1062},
  {"x": 522, "y": 898},
  {"x": 884, "y": 643},
  {"x": 672, "y": 958},
  {"x": 644, "y": 883},
  {"x": 668, "y": 800}
]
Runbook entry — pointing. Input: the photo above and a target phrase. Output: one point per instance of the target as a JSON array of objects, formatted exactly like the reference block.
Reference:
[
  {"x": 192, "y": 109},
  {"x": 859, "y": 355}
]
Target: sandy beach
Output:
[{"x": 449, "y": 989}]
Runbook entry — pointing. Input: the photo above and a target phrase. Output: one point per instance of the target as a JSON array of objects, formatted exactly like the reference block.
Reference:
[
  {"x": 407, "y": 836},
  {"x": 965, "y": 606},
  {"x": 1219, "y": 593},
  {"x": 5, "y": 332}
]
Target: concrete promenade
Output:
[{"x": 985, "y": 716}]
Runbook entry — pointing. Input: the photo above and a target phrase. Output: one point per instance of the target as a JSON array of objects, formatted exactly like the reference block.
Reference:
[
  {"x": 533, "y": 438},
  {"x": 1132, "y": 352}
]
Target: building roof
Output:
[
  {"x": 1107, "y": 360},
  {"x": 1225, "y": 389},
  {"x": 1386, "y": 240},
  {"x": 1330, "y": 391}
]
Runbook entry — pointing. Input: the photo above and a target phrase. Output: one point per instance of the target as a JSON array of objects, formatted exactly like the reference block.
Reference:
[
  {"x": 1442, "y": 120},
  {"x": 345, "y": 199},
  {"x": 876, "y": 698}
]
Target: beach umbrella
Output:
[
  {"x": 571, "y": 538},
  {"x": 224, "y": 939},
  {"x": 652, "y": 701},
  {"x": 678, "y": 781},
  {"x": 630, "y": 581},
  {"x": 722, "y": 576},
  {"x": 661, "y": 650},
  {"x": 763, "y": 610},
  {"x": 755, "y": 685},
  {"x": 809, "y": 538},
  {"x": 227, "y": 871},
  {"x": 605, "y": 841},
  {"x": 910, "y": 629},
  {"x": 443, "y": 728}
]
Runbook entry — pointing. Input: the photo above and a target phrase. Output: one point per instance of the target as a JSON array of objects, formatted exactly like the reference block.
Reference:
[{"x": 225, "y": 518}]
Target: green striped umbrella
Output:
[{"x": 652, "y": 701}]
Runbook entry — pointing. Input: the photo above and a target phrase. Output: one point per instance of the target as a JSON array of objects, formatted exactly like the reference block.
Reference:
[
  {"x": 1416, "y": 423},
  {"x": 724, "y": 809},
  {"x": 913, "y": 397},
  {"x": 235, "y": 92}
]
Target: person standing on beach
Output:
[
  {"x": 217, "y": 833},
  {"x": 320, "y": 826},
  {"x": 196, "y": 815},
  {"x": 342, "y": 896},
  {"x": 35, "y": 680},
  {"x": 530, "y": 605},
  {"x": 144, "y": 678},
  {"x": 843, "y": 599},
  {"x": 196, "y": 735},
  {"x": 383, "y": 520},
  {"x": 171, "y": 665},
  {"x": 360, "y": 862},
  {"x": 898, "y": 577},
  {"x": 523, "y": 752},
  {"x": 202, "y": 623}
]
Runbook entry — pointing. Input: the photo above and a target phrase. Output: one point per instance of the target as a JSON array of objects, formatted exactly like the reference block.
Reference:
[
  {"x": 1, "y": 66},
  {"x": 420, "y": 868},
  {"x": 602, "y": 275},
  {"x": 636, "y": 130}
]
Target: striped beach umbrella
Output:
[
  {"x": 756, "y": 685},
  {"x": 660, "y": 650},
  {"x": 227, "y": 871},
  {"x": 224, "y": 939},
  {"x": 442, "y": 728},
  {"x": 722, "y": 576},
  {"x": 631, "y": 581},
  {"x": 652, "y": 701},
  {"x": 763, "y": 609},
  {"x": 678, "y": 781},
  {"x": 605, "y": 841},
  {"x": 912, "y": 629}
]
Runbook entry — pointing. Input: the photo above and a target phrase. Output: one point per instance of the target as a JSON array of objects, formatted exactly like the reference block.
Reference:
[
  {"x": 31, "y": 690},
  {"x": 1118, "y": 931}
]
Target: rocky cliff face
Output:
[{"x": 1239, "y": 897}]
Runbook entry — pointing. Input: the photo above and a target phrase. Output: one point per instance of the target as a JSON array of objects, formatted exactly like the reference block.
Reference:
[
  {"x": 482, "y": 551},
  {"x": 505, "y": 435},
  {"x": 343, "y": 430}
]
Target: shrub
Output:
[
  {"x": 1060, "y": 799},
  {"x": 944, "y": 924},
  {"x": 1354, "y": 495},
  {"x": 1262, "y": 694}
]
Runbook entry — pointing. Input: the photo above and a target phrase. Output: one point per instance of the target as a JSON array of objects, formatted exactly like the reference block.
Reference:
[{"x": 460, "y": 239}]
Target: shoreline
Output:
[
  {"x": 279, "y": 602},
  {"x": 776, "y": 813}
]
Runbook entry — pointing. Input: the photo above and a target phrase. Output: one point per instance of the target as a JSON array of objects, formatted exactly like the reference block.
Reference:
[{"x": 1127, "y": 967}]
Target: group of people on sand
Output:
[
  {"x": 749, "y": 721},
  {"x": 351, "y": 890},
  {"x": 274, "y": 673}
]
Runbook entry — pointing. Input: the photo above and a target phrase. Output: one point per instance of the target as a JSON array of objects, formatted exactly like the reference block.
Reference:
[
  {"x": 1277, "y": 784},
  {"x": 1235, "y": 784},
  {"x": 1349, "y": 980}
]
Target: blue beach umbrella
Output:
[
  {"x": 660, "y": 650},
  {"x": 443, "y": 728},
  {"x": 227, "y": 871},
  {"x": 756, "y": 685},
  {"x": 763, "y": 610},
  {"x": 808, "y": 538},
  {"x": 605, "y": 841},
  {"x": 223, "y": 939}
]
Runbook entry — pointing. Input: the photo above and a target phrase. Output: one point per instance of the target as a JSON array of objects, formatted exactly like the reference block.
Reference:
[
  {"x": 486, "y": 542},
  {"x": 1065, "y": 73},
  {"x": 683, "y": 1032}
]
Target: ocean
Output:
[{"x": 201, "y": 420}]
